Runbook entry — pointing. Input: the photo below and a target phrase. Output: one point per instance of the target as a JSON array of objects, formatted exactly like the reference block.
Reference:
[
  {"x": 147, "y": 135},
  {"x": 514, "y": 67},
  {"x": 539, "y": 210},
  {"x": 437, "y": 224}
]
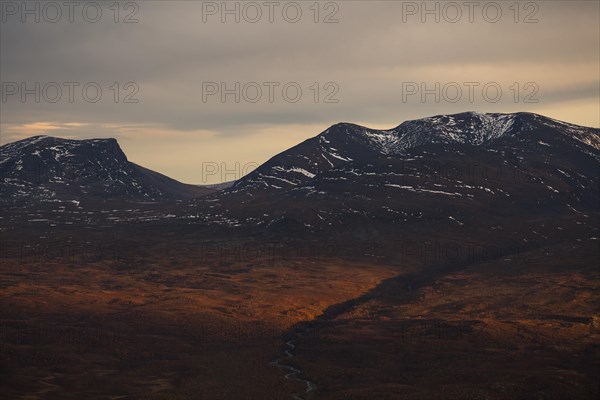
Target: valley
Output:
[
  {"x": 163, "y": 321},
  {"x": 452, "y": 257}
]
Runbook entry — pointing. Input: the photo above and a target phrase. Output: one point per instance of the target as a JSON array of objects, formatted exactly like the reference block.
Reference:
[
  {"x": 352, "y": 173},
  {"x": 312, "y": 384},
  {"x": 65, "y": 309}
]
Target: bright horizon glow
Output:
[{"x": 238, "y": 162}]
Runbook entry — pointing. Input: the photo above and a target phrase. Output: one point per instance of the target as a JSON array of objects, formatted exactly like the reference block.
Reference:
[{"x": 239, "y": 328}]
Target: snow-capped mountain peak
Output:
[
  {"x": 345, "y": 144},
  {"x": 49, "y": 168}
]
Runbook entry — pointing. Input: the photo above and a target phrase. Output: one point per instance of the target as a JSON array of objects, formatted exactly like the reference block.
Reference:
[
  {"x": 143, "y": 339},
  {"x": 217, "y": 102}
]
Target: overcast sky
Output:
[{"x": 375, "y": 63}]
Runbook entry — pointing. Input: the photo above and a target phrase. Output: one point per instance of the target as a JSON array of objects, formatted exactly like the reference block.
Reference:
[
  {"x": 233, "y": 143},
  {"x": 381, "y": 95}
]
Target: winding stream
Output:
[{"x": 290, "y": 372}]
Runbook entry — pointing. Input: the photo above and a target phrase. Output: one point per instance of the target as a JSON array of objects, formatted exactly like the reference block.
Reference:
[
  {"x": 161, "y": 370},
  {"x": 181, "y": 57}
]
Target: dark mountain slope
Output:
[
  {"x": 460, "y": 170},
  {"x": 48, "y": 168}
]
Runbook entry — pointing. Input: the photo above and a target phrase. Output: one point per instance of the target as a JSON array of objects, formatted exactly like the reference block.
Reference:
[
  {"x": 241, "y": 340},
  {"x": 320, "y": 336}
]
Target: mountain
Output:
[
  {"x": 48, "y": 169},
  {"x": 345, "y": 144},
  {"x": 464, "y": 174},
  {"x": 448, "y": 170}
]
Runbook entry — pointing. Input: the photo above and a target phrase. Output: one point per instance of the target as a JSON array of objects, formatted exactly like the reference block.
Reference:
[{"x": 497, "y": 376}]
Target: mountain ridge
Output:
[
  {"x": 44, "y": 165},
  {"x": 54, "y": 167},
  {"x": 360, "y": 144}
]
